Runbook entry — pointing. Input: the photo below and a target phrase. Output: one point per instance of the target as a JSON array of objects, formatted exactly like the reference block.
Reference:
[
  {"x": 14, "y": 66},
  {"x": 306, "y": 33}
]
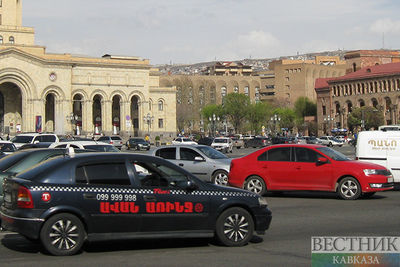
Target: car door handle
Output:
[
  {"x": 149, "y": 198},
  {"x": 181, "y": 164},
  {"x": 265, "y": 167},
  {"x": 89, "y": 196}
]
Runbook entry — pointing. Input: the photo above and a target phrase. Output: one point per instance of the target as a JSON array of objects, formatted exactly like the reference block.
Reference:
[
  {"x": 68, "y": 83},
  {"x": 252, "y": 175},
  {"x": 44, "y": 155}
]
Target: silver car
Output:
[{"x": 204, "y": 162}]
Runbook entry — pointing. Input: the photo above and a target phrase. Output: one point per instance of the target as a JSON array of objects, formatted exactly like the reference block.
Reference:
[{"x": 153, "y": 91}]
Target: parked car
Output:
[
  {"x": 183, "y": 141},
  {"x": 312, "y": 140},
  {"x": 22, "y": 160},
  {"x": 92, "y": 196},
  {"x": 34, "y": 138},
  {"x": 330, "y": 141},
  {"x": 237, "y": 142},
  {"x": 308, "y": 167},
  {"x": 223, "y": 144},
  {"x": 202, "y": 161},
  {"x": 207, "y": 141},
  {"x": 256, "y": 142},
  {"x": 279, "y": 140},
  {"x": 114, "y": 140},
  {"x": 137, "y": 144},
  {"x": 7, "y": 147},
  {"x": 90, "y": 145}
]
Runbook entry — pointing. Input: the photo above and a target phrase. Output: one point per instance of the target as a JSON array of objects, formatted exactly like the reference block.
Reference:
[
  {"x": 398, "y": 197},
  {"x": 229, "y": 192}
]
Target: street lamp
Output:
[
  {"x": 213, "y": 120},
  {"x": 73, "y": 118},
  {"x": 274, "y": 120},
  {"x": 148, "y": 120},
  {"x": 328, "y": 119}
]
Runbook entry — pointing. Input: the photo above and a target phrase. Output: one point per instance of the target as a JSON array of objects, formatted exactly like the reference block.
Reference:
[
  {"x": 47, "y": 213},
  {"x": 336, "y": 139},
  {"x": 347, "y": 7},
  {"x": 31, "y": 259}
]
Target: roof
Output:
[
  {"x": 321, "y": 83},
  {"x": 369, "y": 72}
]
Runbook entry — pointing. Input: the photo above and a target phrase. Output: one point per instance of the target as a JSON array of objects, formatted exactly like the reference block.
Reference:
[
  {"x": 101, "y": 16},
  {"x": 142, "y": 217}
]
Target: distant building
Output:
[
  {"x": 289, "y": 79},
  {"x": 376, "y": 86},
  {"x": 228, "y": 69}
]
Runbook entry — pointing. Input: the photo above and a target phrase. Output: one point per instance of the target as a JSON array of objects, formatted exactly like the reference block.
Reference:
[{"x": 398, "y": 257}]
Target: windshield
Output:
[
  {"x": 186, "y": 140},
  {"x": 22, "y": 139},
  {"x": 102, "y": 148},
  {"x": 220, "y": 140},
  {"x": 211, "y": 152},
  {"x": 7, "y": 147},
  {"x": 333, "y": 154}
]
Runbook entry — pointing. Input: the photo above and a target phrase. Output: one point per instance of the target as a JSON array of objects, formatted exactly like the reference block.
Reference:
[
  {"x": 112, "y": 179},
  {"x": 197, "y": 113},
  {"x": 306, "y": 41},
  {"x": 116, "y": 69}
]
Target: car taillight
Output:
[
  {"x": 356, "y": 158},
  {"x": 111, "y": 142},
  {"x": 24, "y": 199}
]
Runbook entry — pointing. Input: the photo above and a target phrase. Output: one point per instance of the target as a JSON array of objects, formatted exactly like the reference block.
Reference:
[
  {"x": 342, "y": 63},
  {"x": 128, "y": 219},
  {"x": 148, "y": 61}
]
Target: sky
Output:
[{"x": 191, "y": 31}]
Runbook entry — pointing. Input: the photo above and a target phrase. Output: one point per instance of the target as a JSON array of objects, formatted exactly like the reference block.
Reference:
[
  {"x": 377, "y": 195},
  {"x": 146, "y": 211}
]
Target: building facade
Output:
[
  {"x": 377, "y": 86},
  {"x": 196, "y": 91},
  {"x": 289, "y": 79},
  {"x": 63, "y": 93}
]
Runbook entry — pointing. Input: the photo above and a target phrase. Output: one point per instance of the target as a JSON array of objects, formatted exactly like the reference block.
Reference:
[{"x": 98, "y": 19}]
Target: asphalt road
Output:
[{"x": 296, "y": 218}]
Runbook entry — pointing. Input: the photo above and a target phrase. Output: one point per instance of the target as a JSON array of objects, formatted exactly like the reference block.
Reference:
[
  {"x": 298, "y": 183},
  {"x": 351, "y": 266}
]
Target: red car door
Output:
[
  {"x": 278, "y": 168},
  {"x": 309, "y": 174}
]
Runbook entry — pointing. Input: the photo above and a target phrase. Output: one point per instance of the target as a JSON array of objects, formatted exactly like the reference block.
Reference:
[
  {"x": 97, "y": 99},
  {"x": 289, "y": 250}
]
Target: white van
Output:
[{"x": 381, "y": 148}]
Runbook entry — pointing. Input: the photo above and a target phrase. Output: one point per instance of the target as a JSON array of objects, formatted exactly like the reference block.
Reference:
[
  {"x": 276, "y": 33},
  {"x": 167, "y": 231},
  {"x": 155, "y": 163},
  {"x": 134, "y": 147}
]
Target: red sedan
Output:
[{"x": 308, "y": 167}]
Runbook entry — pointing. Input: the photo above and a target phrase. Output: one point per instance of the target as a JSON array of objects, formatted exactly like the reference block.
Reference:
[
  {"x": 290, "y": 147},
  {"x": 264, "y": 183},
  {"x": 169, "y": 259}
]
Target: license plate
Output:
[{"x": 390, "y": 180}]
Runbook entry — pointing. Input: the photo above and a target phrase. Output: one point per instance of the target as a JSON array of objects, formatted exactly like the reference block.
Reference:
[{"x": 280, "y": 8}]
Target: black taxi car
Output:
[{"x": 64, "y": 201}]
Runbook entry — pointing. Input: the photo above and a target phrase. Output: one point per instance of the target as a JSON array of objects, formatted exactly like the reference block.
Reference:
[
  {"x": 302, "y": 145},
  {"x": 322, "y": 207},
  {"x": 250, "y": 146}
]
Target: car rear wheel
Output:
[
  {"x": 220, "y": 177},
  {"x": 349, "y": 188},
  {"x": 256, "y": 185},
  {"x": 62, "y": 234},
  {"x": 330, "y": 144},
  {"x": 234, "y": 227}
]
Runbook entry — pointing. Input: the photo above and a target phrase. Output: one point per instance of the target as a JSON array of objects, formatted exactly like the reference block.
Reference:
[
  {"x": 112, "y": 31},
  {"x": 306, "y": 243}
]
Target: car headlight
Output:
[
  {"x": 370, "y": 172},
  {"x": 262, "y": 201}
]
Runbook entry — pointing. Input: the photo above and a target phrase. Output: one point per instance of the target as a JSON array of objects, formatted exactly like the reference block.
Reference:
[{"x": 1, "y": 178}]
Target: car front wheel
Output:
[
  {"x": 63, "y": 234},
  {"x": 256, "y": 185},
  {"x": 349, "y": 188},
  {"x": 220, "y": 177},
  {"x": 234, "y": 227}
]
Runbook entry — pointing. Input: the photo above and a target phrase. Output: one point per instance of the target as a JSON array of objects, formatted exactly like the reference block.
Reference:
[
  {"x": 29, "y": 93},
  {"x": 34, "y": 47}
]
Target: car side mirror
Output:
[
  {"x": 36, "y": 142},
  {"x": 198, "y": 159},
  {"x": 190, "y": 186},
  {"x": 322, "y": 160}
]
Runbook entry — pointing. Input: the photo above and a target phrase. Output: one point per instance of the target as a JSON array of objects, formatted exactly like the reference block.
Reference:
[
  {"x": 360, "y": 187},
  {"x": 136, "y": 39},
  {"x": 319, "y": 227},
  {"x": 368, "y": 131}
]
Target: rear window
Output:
[
  {"x": 116, "y": 138},
  {"x": 10, "y": 160},
  {"x": 103, "y": 173},
  {"x": 167, "y": 153},
  {"x": 22, "y": 139},
  {"x": 7, "y": 147}
]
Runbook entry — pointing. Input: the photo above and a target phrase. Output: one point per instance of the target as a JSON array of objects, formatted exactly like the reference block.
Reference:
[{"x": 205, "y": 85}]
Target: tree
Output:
[
  {"x": 236, "y": 109},
  {"x": 372, "y": 117},
  {"x": 258, "y": 114},
  {"x": 305, "y": 107}
]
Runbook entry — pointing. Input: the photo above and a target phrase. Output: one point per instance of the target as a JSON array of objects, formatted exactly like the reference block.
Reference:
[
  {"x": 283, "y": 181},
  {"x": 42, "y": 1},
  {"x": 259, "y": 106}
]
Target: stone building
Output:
[
  {"x": 196, "y": 91},
  {"x": 64, "y": 93},
  {"x": 289, "y": 79},
  {"x": 377, "y": 86}
]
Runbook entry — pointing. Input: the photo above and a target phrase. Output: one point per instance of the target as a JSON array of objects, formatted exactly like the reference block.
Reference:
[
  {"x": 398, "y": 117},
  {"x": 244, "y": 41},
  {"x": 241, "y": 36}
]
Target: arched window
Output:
[
  {"x": 246, "y": 90},
  {"x": 1, "y": 39},
  {"x": 11, "y": 39},
  {"x": 160, "y": 105},
  {"x": 236, "y": 89}
]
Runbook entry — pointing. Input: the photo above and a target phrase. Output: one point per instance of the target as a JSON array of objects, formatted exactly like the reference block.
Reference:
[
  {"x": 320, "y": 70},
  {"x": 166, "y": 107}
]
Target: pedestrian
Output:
[{"x": 8, "y": 137}]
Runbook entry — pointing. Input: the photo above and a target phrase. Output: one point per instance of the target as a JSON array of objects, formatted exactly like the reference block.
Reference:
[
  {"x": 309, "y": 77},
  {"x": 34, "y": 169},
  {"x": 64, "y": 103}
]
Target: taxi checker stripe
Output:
[{"x": 136, "y": 191}]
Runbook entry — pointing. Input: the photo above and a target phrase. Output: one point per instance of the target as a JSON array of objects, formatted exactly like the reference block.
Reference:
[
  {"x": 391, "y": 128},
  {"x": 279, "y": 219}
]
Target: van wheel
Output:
[
  {"x": 349, "y": 188},
  {"x": 63, "y": 234},
  {"x": 234, "y": 227},
  {"x": 330, "y": 144},
  {"x": 256, "y": 185}
]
